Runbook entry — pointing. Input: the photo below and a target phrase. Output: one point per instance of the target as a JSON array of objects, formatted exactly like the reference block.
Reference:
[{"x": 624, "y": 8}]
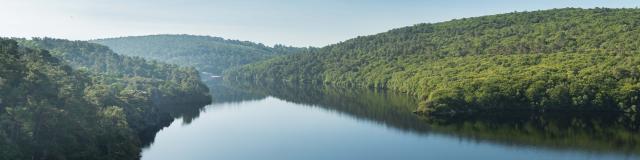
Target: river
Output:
[{"x": 262, "y": 121}]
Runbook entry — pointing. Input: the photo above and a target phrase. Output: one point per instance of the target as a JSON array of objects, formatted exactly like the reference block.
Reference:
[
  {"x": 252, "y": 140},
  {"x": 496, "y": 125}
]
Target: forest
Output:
[
  {"x": 559, "y": 59},
  {"x": 106, "y": 99},
  {"x": 208, "y": 54},
  {"x": 78, "y": 100}
]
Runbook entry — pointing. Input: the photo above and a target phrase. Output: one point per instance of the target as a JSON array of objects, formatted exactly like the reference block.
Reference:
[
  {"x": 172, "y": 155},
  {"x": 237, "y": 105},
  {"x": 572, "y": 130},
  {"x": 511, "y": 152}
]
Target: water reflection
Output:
[
  {"x": 387, "y": 108},
  {"x": 221, "y": 92},
  {"x": 593, "y": 132},
  {"x": 263, "y": 122},
  {"x": 227, "y": 92}
]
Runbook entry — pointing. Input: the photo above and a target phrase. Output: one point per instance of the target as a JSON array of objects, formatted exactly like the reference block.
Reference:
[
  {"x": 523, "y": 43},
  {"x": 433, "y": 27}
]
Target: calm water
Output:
[{"x": 285, "y": 122}]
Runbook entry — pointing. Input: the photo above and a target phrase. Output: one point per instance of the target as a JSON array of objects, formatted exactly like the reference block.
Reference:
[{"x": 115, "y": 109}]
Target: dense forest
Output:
[
  {"x": 560, "y": 59},
  {"x": 207, "y": 54},
  {"x": 77, "y": 100},
  {"x": 163, "y": 81}
]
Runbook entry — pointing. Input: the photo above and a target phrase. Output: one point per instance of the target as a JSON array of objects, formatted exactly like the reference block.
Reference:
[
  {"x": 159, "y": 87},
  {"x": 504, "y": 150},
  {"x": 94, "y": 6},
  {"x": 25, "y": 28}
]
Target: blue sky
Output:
[{"x": 289, "y": 22}]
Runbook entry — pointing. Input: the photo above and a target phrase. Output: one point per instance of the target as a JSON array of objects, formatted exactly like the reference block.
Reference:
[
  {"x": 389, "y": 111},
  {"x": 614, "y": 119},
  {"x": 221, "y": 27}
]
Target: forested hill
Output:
[
  {"x": 166, "y": 81},
  {"x": 82, "y": 101},
  {"x": 50, "y": 111},
  {"x": 208, "y": 54},
  {"x": 564, "y": 59}
]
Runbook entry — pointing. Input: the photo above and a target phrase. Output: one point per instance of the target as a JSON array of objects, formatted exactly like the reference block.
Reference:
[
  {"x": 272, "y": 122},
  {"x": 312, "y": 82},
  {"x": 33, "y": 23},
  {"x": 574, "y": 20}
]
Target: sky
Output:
[{"x": 297, "y": 23}]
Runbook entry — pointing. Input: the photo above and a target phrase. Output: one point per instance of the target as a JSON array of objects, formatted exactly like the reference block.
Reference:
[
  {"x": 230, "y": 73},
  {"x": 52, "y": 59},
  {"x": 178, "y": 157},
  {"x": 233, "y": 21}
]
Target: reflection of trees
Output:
[
  {"x": 223, "y": 92},
  {"x": 583, "y": 131},
  {"x": 588, "y": 131},
  {"x": 597, "y": 132},
  {"x": 188, "y": 112},
  {"x": 388, "y": 108},
  {"x": 220, "y": 92}
]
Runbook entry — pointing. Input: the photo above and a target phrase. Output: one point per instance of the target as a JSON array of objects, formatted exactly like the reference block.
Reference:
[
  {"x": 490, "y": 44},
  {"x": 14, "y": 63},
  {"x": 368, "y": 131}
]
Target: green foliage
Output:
[
  {"x": 82, "y": 101},
  {"x": 43, "y": 114},
  {"x": 208, "y": 54},
  {"x": 561, "y": 59},
  {"x": 162, "y": 81}
]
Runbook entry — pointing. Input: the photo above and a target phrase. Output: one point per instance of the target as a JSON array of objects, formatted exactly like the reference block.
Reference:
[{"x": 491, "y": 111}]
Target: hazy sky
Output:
[{"x": 289, "y": 22}]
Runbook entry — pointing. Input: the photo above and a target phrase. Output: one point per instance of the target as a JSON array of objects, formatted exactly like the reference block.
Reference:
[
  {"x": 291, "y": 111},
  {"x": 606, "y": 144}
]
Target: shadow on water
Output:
[{"x": 591, "y": 132}]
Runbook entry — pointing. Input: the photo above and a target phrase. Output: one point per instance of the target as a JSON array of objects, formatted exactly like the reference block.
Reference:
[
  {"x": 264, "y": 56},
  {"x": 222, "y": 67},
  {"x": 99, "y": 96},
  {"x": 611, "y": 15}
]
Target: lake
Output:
[{"x": 269, "y": 121}]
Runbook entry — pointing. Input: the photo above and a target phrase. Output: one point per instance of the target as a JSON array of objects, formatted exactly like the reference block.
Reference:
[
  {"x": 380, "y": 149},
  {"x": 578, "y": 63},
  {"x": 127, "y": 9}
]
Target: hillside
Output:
[
  {"x": 560, "y": 59},
  {"x": 179, "y": 84},
  {"x": 48, "y": 111},
  {"x": 207, "y": 54},
  {"x": 76, "y": 100}
]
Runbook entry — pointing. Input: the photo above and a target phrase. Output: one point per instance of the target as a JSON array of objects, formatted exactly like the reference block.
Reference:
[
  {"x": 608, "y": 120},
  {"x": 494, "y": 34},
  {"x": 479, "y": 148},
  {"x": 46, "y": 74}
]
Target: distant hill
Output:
[
  {"x": 563, "y": 59},
  {"x": 207, "y": 54}
]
